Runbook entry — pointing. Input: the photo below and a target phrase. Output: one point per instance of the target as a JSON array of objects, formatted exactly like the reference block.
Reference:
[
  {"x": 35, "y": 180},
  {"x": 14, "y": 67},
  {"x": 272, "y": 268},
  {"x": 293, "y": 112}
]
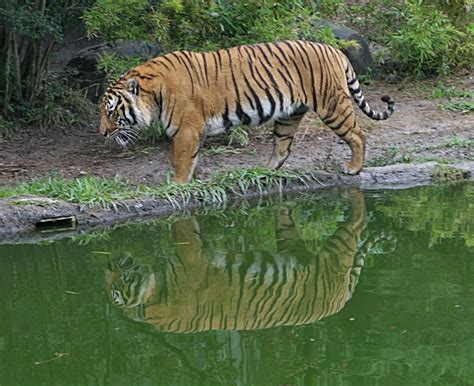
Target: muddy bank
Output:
[{"x": 31, "y": 219}]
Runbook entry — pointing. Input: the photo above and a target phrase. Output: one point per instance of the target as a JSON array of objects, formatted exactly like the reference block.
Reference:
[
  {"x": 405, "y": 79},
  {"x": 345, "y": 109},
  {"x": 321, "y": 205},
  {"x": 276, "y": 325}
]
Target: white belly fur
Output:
[{"x": 215, "y": 125}]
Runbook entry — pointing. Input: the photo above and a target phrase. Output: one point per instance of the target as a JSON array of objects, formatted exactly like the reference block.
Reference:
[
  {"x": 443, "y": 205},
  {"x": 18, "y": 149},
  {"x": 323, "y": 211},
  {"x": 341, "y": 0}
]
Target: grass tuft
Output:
[{"x": 108, "y": 193}]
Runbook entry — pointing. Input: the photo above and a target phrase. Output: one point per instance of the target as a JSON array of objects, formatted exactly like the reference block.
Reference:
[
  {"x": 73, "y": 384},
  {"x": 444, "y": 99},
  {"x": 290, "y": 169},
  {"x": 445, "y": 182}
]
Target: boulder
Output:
[
  {"x": 359, "y": 56},
  {"x": 82, "y": 68}
]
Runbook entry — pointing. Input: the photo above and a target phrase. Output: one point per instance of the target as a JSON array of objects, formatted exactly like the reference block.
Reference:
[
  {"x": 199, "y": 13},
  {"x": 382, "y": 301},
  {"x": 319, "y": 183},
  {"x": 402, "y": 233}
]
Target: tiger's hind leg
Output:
[
  {"x": 284, "y": 131},
  {"x": 346, "y": 127}
]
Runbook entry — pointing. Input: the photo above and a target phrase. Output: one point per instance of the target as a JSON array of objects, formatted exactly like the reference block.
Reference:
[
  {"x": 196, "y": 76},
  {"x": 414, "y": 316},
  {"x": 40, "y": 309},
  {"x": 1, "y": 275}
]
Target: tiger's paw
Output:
[{"x": 350, "y": 170}]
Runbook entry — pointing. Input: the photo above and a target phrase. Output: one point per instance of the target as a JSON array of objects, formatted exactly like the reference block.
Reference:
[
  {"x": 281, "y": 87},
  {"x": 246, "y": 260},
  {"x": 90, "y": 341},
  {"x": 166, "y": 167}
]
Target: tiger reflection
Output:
[{"x": 198, "y": 292}]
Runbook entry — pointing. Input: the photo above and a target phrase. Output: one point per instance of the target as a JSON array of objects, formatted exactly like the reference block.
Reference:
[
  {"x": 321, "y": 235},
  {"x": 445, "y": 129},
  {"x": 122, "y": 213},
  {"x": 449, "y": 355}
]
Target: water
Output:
[{"x": 333, "y": 289}]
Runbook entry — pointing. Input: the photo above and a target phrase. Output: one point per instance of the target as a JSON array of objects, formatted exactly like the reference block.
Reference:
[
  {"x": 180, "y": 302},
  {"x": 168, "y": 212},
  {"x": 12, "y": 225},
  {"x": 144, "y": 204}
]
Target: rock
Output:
[
  {"x": 82, "y": 68},
  {"x": 359, "y": 56}
]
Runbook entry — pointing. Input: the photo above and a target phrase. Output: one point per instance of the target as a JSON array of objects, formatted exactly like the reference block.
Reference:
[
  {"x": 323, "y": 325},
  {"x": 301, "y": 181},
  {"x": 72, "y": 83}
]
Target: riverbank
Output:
[
  {"x": 33, "y": 218},
  {"x": 427, "y": 139}
]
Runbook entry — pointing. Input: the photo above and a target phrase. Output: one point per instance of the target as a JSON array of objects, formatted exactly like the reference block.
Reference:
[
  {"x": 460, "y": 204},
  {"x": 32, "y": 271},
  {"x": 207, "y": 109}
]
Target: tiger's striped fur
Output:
[
  {"x": 198, "y": 291},
  {"x": 195, "y": 94}
]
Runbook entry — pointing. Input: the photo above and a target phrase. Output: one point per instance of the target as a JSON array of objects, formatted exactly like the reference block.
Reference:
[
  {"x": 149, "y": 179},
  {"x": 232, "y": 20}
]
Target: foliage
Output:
[
  {"x": 443, "y": 91},
  {"x": 422, "y": 37},
  {"x": 458, "y": 100},
  {"x": 97, "y": 191},
  {"x": 28, "y": 31},
  {"x": 202, "y": 25},
  {"x": 240, "y": 136},
  {"x": 461, "y": 106},
  {"x": 93, "y": 191},
  {"x": 426, "y": 42},
  {"x": 60, "y": 105},
  {"x": 425, "y": 209},
  {"x": 6, "y": 127},
  {"x": 115, "y": 66},
  {"x": 153, "y": 133},
  {"x": 449, "y": 173}
]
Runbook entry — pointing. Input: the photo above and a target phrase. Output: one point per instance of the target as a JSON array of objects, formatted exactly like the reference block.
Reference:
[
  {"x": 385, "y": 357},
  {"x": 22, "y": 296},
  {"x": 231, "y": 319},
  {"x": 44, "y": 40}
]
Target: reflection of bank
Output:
[{"x": 200, "y": 290}]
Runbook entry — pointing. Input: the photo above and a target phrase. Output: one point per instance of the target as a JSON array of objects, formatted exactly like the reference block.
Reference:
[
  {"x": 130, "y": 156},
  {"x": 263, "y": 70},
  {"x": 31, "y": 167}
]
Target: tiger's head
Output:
[
  {"x": 125, "y": 111},
  {"x": 128, "y": 283}
]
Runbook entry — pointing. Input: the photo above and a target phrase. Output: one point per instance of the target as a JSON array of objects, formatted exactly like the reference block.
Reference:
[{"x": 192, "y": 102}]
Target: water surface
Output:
[{"x": 343, "y": 288}]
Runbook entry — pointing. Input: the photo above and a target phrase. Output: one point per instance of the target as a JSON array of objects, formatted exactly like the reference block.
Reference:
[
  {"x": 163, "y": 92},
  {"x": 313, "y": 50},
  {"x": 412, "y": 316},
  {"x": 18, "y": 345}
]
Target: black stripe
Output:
[
  {"x": 190, "y": 58},
  {"x": 275, "y": 85},
  {"x": 257, "y": 100},
  {"x": 264, "y": 54},
  {"x": 327, "y": 120},
  {"x": 214, "y": 55},
  {"x": 243, "y": 117},
  {"x": 225, "y": 116},
  {"x": 290, "y": 89},
  {"x": 282, "y": 123},
  {"x": 161, "y": 63},
  {"x": 313, "y": 89},
  {"x": 288, "y": 44},
  {"x": 205, "y": 67},
  {"x": 252, "y": 106},
  {"x": 339, "y": 125},
  {"x": 171, "y": 115},
  {"x": 187, "y": 70},
  {"x": 281, "y": 51},
  {"x": 282, "y": 136},
  {"x": 301, "y": 81}
]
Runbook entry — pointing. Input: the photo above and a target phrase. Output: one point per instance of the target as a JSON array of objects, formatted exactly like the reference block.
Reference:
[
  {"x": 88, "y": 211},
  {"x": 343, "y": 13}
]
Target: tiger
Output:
[
  {"x": 209, "y": 289},
  {"x": 198, "y": 94}
]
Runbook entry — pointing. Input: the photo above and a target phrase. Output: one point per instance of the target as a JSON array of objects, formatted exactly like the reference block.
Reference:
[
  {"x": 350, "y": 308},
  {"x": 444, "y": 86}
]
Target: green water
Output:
[{"x": 343, "y": 288}]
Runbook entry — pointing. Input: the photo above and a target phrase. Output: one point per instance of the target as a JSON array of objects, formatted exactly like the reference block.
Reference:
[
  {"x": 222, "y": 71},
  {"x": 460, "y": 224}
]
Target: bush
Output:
[
  {"x": 422, "y": 37},
  {"x": 427, "y": 42},
  {"x": 204, "y": 25}
]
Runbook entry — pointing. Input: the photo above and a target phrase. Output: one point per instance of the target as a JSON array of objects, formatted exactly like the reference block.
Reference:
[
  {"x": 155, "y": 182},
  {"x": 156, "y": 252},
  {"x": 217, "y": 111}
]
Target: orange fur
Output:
[
  {"x": 195, "y": 94},
  {"x": 209, "y": 289}
]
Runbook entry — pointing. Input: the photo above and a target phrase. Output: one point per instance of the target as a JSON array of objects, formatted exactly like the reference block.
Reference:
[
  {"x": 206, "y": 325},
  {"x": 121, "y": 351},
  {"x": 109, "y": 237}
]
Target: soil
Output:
[
  {"x": 419, "y": 131},
  {"x": 418, "y": 125}
]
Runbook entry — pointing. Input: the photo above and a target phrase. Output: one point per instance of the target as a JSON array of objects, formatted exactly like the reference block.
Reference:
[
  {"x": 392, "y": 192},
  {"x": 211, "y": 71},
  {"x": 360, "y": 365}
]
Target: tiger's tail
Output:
[{"x": 354, "y": 88}]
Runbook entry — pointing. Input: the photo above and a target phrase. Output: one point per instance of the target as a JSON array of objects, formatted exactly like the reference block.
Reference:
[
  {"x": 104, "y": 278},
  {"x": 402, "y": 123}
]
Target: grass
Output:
[
  {"x": 443, "y": 91},
  {"x": 108, "y": 193},
  {"x": 462, "y": 106},
  {"x": 448, "y": 173},
  {"x": 395, "y": 155},
  {"x": 458, "y": 100},
  {"x": 240, "y": 136}
]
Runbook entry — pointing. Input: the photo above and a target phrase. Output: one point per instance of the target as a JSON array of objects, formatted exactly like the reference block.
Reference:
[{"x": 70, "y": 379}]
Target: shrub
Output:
[
  {"x": 426, "y": 42},
  {"x": 203, "y": 25}
]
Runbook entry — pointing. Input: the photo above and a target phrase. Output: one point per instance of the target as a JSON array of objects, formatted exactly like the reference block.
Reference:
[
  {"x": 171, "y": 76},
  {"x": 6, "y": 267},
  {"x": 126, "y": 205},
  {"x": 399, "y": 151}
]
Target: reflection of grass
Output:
[{"x": 106, "y": 192}]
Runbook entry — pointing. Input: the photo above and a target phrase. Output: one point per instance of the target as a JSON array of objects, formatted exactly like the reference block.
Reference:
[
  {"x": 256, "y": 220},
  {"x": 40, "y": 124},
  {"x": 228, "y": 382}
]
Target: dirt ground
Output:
[{"x": 418, "y": 131}]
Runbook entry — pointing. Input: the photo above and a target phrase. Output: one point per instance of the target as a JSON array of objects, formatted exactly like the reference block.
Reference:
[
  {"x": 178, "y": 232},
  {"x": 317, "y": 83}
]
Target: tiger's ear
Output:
[{"x": 132, "y": 86}]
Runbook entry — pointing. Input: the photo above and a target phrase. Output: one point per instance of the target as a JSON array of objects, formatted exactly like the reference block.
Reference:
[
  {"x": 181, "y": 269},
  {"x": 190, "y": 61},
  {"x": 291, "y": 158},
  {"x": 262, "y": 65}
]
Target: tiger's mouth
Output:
[{"x": 124, "y": 136}]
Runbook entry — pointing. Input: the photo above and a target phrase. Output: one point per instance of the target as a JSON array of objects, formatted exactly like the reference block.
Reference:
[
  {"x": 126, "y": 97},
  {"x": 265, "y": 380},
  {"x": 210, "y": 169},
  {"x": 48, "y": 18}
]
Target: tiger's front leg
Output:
[{"x": 184, "y": 151}]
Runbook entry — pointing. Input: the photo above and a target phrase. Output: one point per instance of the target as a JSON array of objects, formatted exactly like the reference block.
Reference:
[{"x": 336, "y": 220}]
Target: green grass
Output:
[
  {"x": 108, "y": 193},
  {"x": 448, "y": 173},
  {"x": 443, "y": 91},
  {"x": 395, "y": 155},
  {"x": 462, "y": 106},
  {"x": 458, "y": 100}
]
